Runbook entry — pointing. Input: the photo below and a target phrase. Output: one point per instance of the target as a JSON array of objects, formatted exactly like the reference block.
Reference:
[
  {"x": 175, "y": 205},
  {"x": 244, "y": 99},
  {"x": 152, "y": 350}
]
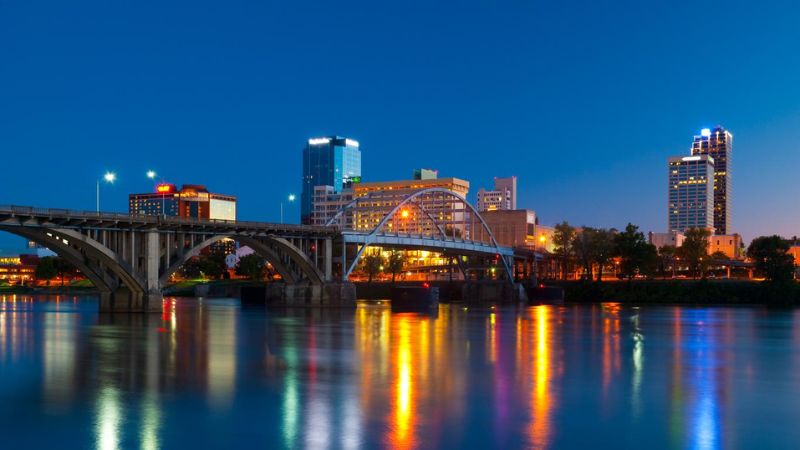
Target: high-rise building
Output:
[
  {"x": 328, "y": 161},
  {"x": 691, "y": 193},
  {"x": 375, "y": 200},
  {"x": 192, "y": 200},
  {"x": 503, "y": 197},
  {"x": 327, "y": 203},
  {"x": 718, "y": 143}
]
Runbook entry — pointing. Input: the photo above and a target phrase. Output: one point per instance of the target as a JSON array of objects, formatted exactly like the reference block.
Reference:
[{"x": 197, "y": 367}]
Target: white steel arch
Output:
[{"x": 373, "y": 235}]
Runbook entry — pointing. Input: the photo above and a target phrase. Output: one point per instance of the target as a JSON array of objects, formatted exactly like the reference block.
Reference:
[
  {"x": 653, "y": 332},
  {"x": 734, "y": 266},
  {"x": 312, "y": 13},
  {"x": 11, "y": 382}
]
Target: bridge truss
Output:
[{"x": 434, "y": 219}]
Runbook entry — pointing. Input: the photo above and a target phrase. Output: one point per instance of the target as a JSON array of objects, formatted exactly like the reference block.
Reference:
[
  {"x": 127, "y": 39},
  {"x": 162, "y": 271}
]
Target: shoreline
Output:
[{"x": 635, "y": 292}]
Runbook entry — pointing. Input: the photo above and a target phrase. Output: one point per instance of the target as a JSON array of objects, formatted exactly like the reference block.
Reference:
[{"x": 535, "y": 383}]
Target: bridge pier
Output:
[
  {"x": 331, "y": 294},
  {"x": 122, "y": 300}
]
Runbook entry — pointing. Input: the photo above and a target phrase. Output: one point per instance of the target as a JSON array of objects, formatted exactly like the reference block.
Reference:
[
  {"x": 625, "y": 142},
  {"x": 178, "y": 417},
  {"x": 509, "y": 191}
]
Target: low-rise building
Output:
[
  {"x": 673, "y": 238},
  {"x": 794, "y": 250},
  {"x": 191, "y": 200},
  {"x": 515, "y": 228},
  {"x": 19, "y": 269},
  {"x": 729, "y": 244}
]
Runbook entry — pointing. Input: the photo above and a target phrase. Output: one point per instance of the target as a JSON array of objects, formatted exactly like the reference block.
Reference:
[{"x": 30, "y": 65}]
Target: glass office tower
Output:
[
  {"x": 718, "y": 144},
  {"x": 328, "y": 161},
  {"x": 691, "y": 193}
]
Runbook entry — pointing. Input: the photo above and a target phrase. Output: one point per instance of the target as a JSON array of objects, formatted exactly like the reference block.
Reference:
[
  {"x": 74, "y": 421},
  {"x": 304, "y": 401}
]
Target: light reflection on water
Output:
[{"x": 209, "y": 374}]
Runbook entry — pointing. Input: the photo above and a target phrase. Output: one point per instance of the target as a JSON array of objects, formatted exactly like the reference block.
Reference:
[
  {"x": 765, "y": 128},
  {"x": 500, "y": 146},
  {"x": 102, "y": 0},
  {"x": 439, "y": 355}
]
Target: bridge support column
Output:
[
  {"x": 151, "y": 301},
  {"x": 328, "y": 259},
  {"x": 123, "y": 300},
  {"x": 331, "y": 295}
]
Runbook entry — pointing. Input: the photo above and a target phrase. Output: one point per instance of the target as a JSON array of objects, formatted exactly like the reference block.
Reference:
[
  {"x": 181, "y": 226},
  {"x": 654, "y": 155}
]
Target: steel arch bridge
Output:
[{"x": 435, "y": 219}]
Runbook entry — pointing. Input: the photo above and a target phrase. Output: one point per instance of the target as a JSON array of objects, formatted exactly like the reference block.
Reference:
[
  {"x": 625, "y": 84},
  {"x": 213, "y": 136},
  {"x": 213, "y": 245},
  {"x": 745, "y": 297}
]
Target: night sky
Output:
[{"x": 583, "y": 101}]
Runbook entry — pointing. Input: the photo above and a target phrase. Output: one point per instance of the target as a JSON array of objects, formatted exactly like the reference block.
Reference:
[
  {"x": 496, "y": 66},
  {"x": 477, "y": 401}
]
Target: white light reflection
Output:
[{"x": 109, "y": 418}]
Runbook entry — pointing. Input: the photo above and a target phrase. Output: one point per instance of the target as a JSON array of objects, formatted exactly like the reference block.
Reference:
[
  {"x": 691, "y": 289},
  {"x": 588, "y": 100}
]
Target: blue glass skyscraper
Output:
[{"x": 328, "y": 161}]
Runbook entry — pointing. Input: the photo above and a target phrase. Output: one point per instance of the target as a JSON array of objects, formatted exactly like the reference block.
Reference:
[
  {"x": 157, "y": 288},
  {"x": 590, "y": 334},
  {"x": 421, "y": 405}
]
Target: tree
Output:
[
  {"x": 395, "y": 263},
  {"x": 191, "y": 269},
  {"x": 694, "y": 250},
  {"x": 251, "y": 266},
  {"x": 373, "y": 264},
  {"x": 637, "y": 256},
  {"x": 602, "y": 249},
  {"x": 563, "y": 237},
  {"x": 212, "y": 265},
  {"x": 582, "y": 247},
  {"x": 46, "y": 269},
  {"x": 769, "y": 253},
  {"x": 63, "y": 268},
  {"x": 718, "y": 256},
  {"x": 666, "y": 258}
]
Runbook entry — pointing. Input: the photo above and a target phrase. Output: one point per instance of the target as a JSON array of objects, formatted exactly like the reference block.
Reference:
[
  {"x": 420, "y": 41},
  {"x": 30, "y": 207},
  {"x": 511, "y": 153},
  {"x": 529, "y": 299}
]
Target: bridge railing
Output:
[
  {"x": 83, "y": 214},
  {"x": 60, "y": 212}
]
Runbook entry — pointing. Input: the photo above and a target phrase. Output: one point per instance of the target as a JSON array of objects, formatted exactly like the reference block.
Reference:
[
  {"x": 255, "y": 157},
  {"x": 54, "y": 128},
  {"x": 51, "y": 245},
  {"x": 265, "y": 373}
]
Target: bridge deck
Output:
[
  {"x": 31, "y": 216},
  {"x": 424, "y": 242}
]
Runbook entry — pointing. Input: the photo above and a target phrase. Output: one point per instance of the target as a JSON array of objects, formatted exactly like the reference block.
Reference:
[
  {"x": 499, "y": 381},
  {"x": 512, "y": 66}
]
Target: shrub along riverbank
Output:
[{"x": 697, "y": 292}]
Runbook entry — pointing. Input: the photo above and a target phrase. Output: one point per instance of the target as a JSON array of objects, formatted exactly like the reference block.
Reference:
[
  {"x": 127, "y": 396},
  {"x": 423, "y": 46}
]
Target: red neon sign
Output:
[{"x": 165, "y": 188}]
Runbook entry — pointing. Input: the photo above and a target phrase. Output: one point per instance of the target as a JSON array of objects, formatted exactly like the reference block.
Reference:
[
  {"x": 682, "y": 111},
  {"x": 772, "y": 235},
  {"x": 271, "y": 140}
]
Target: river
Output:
[{"x": 209, "y": 373}]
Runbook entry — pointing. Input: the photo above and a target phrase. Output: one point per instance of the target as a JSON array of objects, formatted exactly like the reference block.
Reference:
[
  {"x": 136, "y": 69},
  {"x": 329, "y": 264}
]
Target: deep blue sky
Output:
[{"x": 583, "y": 101}]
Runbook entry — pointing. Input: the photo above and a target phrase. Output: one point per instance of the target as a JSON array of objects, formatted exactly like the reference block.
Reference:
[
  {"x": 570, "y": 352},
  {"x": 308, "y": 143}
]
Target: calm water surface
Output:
[{"x": 211, "y": 374}]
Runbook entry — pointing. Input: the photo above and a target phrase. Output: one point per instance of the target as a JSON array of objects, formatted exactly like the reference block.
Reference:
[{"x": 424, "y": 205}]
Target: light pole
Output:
[
  {"x": 291, "y": 199},
  {"x": 152, "y": 175},
  {"x": 109, "y": 177}
]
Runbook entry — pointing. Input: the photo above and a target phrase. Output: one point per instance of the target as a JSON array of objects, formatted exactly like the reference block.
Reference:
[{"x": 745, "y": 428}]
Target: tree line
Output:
[{"x": 593, "y": 249}]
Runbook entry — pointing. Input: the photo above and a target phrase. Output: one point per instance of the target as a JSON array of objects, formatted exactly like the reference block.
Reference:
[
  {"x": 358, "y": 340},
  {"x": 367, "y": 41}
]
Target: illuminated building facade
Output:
[
  {"x": 731, "y": 245},
  {"x": 503, "y": 197},
  {"x": 659, "y": 240},
  {"x": 379, "y": 198},
  {"x": 515, "y": 228},
  {"x": 18, "y": 269},
  {"x": 192, "y": 200},
  {"x": 691, "y": 193},
  {"x": 718, "y": 144},
  {"x": 328, "y": 161},
  {"x": 327, "y": 203}
]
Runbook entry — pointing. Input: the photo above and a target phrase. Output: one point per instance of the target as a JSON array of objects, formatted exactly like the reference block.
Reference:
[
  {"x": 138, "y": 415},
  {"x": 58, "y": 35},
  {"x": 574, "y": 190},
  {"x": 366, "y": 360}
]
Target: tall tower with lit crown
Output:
[{"x": 718, "y": 143}]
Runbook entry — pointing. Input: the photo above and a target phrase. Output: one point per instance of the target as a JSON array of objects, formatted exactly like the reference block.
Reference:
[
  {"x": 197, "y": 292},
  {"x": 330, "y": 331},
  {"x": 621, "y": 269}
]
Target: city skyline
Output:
[{"x": 234, "y": 112}]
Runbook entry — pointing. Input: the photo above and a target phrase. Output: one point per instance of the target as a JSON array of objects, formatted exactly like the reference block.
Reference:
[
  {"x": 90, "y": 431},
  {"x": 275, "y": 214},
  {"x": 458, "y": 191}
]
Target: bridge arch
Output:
[
  {"x": 411, "y": 200},
  {"x": 277, "y": 251},
  {"x": 89, "y": 256}
]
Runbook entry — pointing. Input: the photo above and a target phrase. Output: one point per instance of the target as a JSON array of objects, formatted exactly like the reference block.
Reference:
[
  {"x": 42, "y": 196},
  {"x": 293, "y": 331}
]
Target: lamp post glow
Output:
[
  {"x": 291, "y": 199},
  {"x": 109, "y": 177},
  {"x": 152, "y": 175}
]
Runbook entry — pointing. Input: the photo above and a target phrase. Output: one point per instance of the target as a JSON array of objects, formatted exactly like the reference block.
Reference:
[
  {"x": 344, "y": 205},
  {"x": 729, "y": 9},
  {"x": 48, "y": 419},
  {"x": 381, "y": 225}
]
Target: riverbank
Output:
[
  {"x": 688, "y": 292},
  {"x": 48, "y": 290}
]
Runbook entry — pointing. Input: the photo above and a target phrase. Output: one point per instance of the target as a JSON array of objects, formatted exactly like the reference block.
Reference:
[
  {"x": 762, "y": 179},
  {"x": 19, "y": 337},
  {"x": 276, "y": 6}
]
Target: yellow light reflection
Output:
[
  {"x": 404, "y": 385},
  {"x": 541, "y": 401}
]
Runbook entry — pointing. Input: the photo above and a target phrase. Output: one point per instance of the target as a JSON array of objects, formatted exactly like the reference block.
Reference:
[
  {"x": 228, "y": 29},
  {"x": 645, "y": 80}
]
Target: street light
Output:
[
  {"x": 152, "y": 175},
  {"x": 109, "y": 177},
  {"x": 291, "y": 199}
]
